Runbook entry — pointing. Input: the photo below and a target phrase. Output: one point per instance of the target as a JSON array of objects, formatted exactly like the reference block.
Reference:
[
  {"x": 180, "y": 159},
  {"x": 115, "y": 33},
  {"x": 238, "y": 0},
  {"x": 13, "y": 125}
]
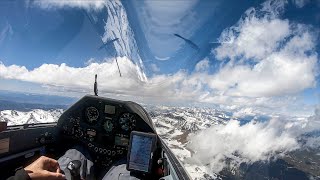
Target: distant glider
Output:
[
  {"x": 107, "y": 43},
  {"x": 192, "y": 44}
]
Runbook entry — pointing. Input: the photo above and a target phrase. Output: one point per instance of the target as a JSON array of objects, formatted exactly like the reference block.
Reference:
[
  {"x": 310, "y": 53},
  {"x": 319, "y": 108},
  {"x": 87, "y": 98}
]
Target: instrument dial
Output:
[
  {"x": 91, "y": 134},
  {"x": 92, "y": 114},
  {"x": 108, "y": 126},
  {"x": 127, "y": 121}
]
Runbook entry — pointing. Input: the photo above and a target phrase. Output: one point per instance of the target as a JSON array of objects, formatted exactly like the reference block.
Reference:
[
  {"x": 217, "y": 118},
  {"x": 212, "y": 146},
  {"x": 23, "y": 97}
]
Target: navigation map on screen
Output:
[{"x": 140, "y": 154}]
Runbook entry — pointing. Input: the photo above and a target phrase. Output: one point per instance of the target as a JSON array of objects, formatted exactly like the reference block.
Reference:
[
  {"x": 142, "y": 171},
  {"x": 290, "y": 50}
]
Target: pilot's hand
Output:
[{"x": 44, "y": 168}]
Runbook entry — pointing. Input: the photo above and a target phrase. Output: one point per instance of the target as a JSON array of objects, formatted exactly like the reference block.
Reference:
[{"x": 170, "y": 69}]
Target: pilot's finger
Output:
[
  {"x": 51, "y": 161},
  {"x": 58, "y": 170},
  {"x": 51, "y": 164},
  {"x": 55, "y": 176}
]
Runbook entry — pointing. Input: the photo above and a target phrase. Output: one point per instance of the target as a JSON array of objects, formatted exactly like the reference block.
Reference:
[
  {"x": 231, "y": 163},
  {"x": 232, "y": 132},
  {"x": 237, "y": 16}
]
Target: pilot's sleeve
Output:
[{"x": 21, "y": 174}]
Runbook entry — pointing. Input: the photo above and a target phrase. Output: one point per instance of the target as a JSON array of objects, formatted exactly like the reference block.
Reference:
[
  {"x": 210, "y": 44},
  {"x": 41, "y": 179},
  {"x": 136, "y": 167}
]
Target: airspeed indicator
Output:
[{"x": 92, "y": 114}]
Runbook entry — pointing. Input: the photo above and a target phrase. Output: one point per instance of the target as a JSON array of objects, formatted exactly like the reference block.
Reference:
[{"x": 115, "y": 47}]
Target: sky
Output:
[
  {"x": 254, "y": 57},
  {"x": 261, "y": 55}
]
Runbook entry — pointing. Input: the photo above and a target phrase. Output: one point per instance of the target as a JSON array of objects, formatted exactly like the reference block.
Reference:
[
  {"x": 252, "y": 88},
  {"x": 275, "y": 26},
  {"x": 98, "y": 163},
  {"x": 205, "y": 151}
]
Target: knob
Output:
[
  {"x": 74, "y": 168},
  {"x": 42, "y": 140}
]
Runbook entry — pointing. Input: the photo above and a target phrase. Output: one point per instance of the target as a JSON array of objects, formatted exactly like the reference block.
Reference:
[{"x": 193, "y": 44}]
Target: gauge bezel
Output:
[
  {"x": 112, "y": 123},
  {"x": 87, "y": 113},
  {"x": 131, "y": 123}
]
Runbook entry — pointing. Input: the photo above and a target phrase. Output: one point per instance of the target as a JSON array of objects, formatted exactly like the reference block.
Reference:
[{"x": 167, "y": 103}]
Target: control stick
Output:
[{"x": 74, "y": 168}]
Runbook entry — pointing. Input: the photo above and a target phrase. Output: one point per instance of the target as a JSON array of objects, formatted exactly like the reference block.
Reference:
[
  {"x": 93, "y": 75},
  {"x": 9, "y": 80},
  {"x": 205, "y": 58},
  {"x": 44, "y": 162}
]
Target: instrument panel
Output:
[{"x": 104, "y": 125}]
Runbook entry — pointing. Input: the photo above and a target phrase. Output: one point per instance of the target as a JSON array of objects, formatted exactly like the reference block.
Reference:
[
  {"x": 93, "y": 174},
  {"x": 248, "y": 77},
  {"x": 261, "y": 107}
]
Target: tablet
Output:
[{"x": 140, "y": 152}]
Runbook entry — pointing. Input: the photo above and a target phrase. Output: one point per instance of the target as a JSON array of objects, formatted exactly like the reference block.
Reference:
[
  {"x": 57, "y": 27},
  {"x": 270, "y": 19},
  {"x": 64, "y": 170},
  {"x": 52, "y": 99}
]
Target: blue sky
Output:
[{"x": 52, "y": 47}]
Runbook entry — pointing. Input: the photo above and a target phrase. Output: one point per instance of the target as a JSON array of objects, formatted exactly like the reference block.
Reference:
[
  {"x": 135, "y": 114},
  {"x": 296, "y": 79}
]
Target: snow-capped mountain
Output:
[
  {"x": 14, "y": 117},
  {"x": 171, "y": 121},
  {"x": 176, "y": 124}
]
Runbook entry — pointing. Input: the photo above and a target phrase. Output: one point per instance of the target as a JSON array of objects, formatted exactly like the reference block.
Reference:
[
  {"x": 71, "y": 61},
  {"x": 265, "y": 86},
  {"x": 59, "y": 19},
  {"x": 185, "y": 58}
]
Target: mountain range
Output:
[{"x": 176, "y": 124}]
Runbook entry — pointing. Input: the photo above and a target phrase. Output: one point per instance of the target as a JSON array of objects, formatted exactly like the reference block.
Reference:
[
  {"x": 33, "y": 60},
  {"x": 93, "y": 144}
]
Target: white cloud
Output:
[
  {"x": 272, "y": 60},
  {"x": 279, "y": 74},
  {"x": 257, "y": 38},
  {"x": 177, "y": 88},
  {"x": 248, "y": 143},
  {"x": 86, "y": 4},
  {"x": 268, "y": 56},
  {"x": 254, "y": 141},
  {"x": 155, "y": 68},
  {"x": 133, "y": 83},
  {"x": 300, "y": 3},
  {"x": 73, "y": 78},
  {"x": 202, "y": 65}
]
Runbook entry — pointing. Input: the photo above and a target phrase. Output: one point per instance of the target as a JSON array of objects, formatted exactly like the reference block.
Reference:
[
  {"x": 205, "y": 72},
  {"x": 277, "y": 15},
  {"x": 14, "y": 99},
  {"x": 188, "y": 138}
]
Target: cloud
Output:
[
  {"x": 267, "y": 57},
  {"x": 48, "y": 4},
  {"x": 248, "y": 143},
  {"x": 78, "y": 78},
  {"x": 133, "y": 83},
  {"x": 5, "y": 32},
  {"x": 300, "y": 3},
  {"x": 202, "y": 65},
  {"x": 256, "y": 39},
  {"x": 254, "y": 141},
  {"x": 267, "y": 62},
  {"x": 155, "y": 68}
]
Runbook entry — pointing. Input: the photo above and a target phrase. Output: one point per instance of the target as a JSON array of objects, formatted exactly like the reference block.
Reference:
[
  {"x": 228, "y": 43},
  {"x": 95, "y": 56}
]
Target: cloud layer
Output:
[
  {"x": 267, "y": 62},
  {"x": 96, "y": 4},
  {"x": 251, "y": 142}
]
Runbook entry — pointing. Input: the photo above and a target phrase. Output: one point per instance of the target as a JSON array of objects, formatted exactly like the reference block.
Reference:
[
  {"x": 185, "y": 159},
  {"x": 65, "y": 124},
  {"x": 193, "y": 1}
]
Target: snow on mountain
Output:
[
  {"x": 174, "y": 124},
  {"x": 14, "y": 117}
]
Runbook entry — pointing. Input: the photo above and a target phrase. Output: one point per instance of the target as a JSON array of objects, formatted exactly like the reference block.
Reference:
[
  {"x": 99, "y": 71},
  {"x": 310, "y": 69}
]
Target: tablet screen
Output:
[{"x": 140, "y": 152}]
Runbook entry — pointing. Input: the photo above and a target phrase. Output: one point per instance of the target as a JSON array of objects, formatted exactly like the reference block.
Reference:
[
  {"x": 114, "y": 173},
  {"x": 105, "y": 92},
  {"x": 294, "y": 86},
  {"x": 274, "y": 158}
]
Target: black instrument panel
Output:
[{"x": 104, "y": 125}]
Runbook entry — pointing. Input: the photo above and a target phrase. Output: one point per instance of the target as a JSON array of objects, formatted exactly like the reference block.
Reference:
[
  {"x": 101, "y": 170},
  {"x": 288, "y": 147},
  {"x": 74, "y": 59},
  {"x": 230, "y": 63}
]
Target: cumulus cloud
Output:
[
  {"x": 257, "y": 38},
  {"x": 133, "y": 82},
  {"x": 267, "y": 61},
  {"x": 96, "y": 4},
  {"x": 254, "y": 141},
  {"x": 268, "y": 56},
  {"x": 82, "y": 78}
]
